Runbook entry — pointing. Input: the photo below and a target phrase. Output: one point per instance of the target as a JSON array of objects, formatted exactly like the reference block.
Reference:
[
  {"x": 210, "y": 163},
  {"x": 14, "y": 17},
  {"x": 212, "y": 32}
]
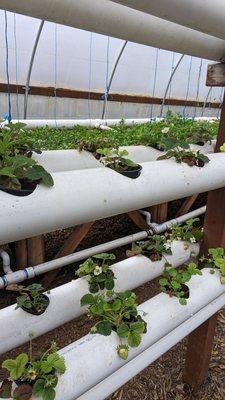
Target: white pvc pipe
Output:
[
  {"x": 65, "y": 300},
  {"x": 116, "y": 380},
  {"x": 5, "y": 261},
  {"x": 92, "y": 358},
  {"x": 68, "y": 160},
  {"x": 112, "y": 19},
  {"x": 203, "y": 15},
  {"x": 39, "y": 269},
  {"x": 87, "y": 195},
  {"x": 91, "y": 123},
  {"x": 159, "y": 228},
  {"x": 70, "y": 123}
]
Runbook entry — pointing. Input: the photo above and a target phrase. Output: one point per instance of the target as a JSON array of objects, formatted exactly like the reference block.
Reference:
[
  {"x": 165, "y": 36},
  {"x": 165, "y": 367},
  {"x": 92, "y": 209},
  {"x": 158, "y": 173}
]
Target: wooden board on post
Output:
[
  {"x": 216, "y": 75},
  {"x": 200, "y": 342}
]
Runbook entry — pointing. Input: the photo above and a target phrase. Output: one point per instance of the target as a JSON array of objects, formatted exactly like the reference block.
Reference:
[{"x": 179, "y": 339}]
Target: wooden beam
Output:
[
  {"x": 137, "y": 218},
  {"x": 159, "y": 212},
  {"x": 21, "y": 254},
  {"x": 35, "y": 251},
  {"x": 119, "y": 97},
  {"x": 68, "y": 247},
  {"x": 216, "y": 75},
  {"x": 187, "y": 204},
  {"x": 200, "y": 342},
  {"x": 198, "y": 354}
]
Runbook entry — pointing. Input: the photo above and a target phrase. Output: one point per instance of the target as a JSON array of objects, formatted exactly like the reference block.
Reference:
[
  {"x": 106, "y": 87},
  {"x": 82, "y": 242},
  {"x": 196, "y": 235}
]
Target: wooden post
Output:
[
  {"x": 200, "y": 341},
  {"x": 159, "y": 212},
  {"x": 187, "y": 204},
  {"x": 68, "y": 247},
  {"x": 137, "y": 218},
  {"x": 35, "y": 251},
  {"x": 21, "y": 254}
]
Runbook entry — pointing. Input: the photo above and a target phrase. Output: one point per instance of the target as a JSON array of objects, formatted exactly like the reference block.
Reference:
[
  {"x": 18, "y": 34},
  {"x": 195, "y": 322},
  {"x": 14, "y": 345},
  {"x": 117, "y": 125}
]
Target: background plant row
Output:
[{"x": 145, "y": 134}]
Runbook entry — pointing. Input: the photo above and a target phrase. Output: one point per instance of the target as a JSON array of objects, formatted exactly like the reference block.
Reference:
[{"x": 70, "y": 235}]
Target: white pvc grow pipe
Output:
[
  {"x": 87, "y": 195},
  {"x": 203, "y": 15},
  {"x": 31, "y": 272},
  {"x": 112, "y": 19},
  {"x": 65, "y": 300},
  {"x": 68, "y": 160},
  {"x": 91, "y": 123},
  {"x": 116, "y": 380},
  {"x": 70, "y": 123},
  {"x": 92, "y": 358}
]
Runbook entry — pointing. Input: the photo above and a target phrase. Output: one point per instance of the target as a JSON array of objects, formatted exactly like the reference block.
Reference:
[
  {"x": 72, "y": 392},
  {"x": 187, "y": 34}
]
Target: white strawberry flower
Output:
[
  {"x": 165, "y": 130},
  {"x": 167, "y": 246},
  {"x": 97, "y": 270}
]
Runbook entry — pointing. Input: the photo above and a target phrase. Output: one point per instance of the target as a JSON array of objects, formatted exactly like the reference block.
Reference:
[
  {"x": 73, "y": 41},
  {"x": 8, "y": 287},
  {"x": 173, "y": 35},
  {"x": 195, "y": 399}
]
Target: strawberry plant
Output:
[
  {"x": 97, "y": 268},
  {"x": 34, "y": 376},
  {"x": 216, "y": 260},
  {"x": 173, "y": 281},
  {"x": 118, "y": 314},
  {"x": 116, "y": 160},
  {"x": 21, "y": 172},
  {"x": 154, "y": 248},
  {"x": 31, "y": 298},
  {"x": 188, "y": 232},
  {"x": 182, "y": 152}
]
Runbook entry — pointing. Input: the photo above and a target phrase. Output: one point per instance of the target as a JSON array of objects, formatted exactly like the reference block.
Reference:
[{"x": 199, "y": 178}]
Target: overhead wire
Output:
[
  {"x": 90, "y": 76},
  {"x": 55, "y": 72},
  {"x": 9, "y": 116},
  {"x": 16, "y": 65}
]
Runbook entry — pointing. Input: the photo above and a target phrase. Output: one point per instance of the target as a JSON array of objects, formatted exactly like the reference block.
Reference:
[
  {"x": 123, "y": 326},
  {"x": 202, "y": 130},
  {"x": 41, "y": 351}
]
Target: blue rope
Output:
[
  {"x": 7, "y": 67},
  {"x": 154, "y": 81},
  {"x": 56, "y": 75},
  {"x": 90, "y": 76},
  {"x": 188, "y": 87},
  {"x": 16, "y": 66}
]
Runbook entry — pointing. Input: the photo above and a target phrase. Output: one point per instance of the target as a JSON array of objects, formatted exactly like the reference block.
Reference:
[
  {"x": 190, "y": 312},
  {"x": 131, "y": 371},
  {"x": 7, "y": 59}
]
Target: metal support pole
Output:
[
  {"x": 27, "y": 86},
  {"x": 169, "y": 83},
  {"x": 112, "y": 76}
]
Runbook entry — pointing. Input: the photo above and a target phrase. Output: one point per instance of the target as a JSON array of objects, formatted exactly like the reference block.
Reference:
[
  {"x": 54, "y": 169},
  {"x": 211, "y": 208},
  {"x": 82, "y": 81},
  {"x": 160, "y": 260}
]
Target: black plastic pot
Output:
[
  {"x": 186, "y": 291},
  {"x": 184, "y": 288},
  {"x": 132, "y": 173},
  {"x": 200, "y": 143},
  {"x": 33, "y": 311},
  {"x": 151, "y": 255},
  {"x": 154, "y": 146},
  {"x": 19, "y": 192}
]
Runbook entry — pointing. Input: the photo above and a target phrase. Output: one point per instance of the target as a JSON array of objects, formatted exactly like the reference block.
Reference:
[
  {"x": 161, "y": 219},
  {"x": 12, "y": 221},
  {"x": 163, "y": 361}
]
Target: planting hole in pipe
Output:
[{"x": 115, "y": 159}]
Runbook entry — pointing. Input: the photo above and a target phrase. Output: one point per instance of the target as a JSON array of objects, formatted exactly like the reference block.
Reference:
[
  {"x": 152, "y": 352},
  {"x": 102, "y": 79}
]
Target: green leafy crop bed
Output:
[{"x": 147, "y": 134}]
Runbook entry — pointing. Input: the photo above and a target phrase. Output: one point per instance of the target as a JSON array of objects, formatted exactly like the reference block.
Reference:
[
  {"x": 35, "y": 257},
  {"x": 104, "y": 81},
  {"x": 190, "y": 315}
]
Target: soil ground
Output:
[{"x": 163, "y": 379}]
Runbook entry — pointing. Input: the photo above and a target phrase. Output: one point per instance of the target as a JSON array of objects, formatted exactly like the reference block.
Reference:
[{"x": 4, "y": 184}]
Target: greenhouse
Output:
[{"x": 112, "y": 195}]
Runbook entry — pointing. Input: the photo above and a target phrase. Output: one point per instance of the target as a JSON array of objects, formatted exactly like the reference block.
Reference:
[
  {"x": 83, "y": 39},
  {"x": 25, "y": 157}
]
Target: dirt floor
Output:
[{"x": 163, "y": 379}]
